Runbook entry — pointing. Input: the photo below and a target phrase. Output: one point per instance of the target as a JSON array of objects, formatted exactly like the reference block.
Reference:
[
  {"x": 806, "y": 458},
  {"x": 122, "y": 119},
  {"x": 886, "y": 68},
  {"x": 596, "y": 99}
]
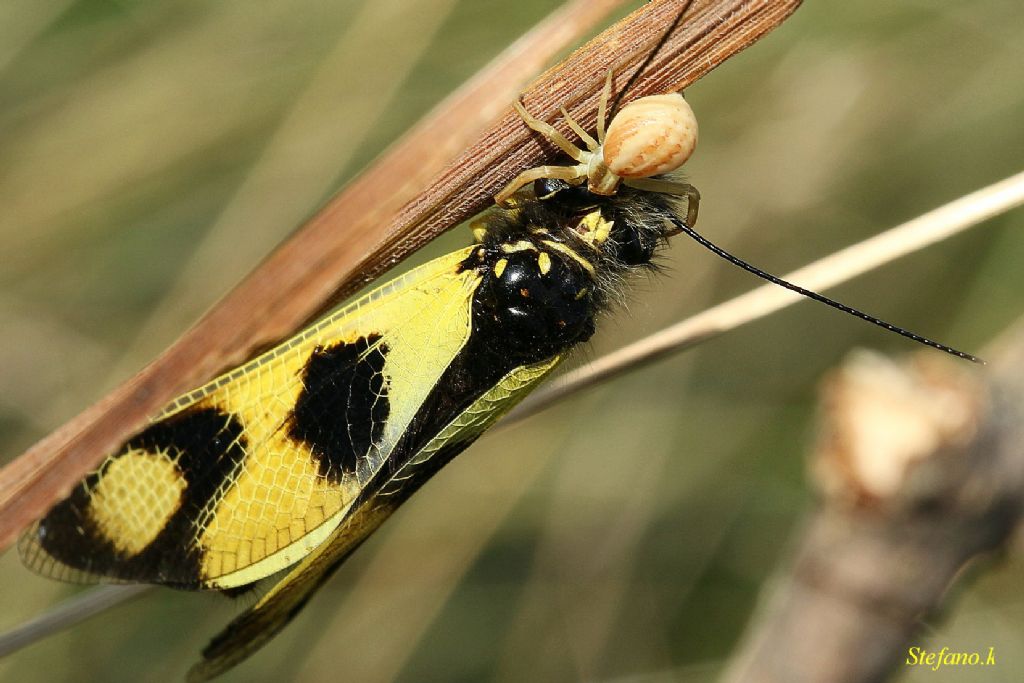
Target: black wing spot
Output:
[
  {"x": 208, "y": 446},
  {"x": 343, "y": 405}
]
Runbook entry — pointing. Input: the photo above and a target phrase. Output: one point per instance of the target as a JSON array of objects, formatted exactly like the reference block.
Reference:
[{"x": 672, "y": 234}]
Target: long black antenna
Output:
[
  {"x": 735, "y": 260},
  {"x": 714, "y": 248},
  {"x": 647, "y": 60}
]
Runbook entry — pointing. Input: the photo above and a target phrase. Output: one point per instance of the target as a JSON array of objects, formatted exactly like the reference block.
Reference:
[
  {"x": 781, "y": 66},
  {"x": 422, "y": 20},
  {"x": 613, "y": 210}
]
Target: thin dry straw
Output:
[
  {"x": 925, "y": 230},
  {"x": 67, "y": 614}
]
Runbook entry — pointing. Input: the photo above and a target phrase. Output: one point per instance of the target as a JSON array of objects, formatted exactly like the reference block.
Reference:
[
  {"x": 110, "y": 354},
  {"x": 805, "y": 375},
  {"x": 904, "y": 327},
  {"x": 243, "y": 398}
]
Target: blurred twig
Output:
[
  {"x": 380, "y": 218},
  {"x": 921, "y": 470}
]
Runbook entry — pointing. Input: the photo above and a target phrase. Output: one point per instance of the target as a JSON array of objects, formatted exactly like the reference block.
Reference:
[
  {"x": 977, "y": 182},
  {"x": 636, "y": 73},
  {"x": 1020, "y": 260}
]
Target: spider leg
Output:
[
  {"x": 672, "y": 187},
  {"x": 567, "y": 173},
  {"x": 602, "y": 107},
  {"x": 548, "y": 131},
  {"x": 590, "y": 142}
]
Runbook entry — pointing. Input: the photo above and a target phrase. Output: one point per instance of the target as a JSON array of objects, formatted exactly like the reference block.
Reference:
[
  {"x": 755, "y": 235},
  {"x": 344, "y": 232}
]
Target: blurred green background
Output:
[{"x": 152, "y": 152}]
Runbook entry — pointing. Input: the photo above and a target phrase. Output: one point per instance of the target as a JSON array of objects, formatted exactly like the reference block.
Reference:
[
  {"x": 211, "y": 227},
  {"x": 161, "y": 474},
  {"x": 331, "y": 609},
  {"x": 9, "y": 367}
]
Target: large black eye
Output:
[
  {"x": 573, "y": 197},
  {"x": 545, "y": 188}
]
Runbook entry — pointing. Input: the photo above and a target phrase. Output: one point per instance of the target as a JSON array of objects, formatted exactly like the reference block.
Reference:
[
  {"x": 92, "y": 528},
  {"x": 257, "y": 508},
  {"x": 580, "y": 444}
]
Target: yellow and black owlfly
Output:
[{"x": 283, "y": 466}]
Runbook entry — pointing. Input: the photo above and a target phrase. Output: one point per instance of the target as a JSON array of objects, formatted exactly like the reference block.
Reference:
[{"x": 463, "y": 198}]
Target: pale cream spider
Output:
[{"x": 651, "y": 136}]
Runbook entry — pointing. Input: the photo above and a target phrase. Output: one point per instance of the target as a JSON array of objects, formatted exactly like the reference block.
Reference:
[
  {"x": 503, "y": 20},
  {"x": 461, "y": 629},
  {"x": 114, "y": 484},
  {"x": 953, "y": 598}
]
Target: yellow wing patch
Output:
[{"x": 137, "y": 496}]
